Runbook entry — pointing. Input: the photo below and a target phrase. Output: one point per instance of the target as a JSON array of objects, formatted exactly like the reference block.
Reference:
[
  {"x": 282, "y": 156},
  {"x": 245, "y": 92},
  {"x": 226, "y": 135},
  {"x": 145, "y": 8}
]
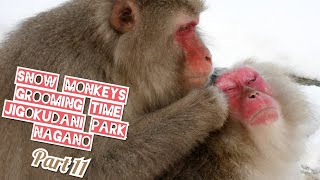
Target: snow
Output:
[
  {"x": 13, "y": 11},
  {"x": 312, "y": 156},
  {"x": 285, "y": 32}
]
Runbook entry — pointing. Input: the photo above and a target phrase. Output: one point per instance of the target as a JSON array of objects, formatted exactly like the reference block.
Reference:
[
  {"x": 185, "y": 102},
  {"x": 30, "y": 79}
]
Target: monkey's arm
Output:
[
  {"x": 219, "y": 157},
  {"x": 159, "y": 139}
]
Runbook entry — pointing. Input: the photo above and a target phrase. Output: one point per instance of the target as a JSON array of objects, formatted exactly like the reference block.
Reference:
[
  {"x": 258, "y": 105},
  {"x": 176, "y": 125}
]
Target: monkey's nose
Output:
[
  {"x": 208, "y": 58},
  {"x": 253, "y": 95}
]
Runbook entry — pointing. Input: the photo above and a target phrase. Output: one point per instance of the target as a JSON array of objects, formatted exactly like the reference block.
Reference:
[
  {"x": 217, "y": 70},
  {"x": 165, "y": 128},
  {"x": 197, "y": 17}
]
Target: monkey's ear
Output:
[{"x": 124, "y": 15}]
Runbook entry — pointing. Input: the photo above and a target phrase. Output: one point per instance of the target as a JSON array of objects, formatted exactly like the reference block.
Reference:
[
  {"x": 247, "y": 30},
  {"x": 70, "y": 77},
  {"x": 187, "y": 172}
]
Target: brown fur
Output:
[
  {"x": 239, "y": 152},
  {"x": 166, "y": 121}
]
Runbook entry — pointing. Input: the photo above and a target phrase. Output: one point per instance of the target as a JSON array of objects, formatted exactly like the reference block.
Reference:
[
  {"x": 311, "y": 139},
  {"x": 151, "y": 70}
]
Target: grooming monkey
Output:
[
  {"x": 264, "y": 134},
  {"x": 150, "y": 46},
  {"x": 141, "y": 44}
]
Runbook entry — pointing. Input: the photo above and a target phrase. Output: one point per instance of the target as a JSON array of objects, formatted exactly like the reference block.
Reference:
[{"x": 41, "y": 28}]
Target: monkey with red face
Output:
[
  {"x": 150, "y": 46},
  {"x": 250, "y": 97},
  {"x": 154, "y": 48},
  {"x": 264, "y": 135}
]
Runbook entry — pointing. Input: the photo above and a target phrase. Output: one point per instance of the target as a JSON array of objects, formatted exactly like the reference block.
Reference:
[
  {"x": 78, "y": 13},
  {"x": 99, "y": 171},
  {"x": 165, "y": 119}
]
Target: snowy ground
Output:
[{"x": 284, "y": 32}]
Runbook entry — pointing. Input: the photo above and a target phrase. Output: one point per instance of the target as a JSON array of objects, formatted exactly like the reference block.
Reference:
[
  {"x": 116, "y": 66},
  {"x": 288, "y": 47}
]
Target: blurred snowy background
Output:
[{"x": 285, "y": 32}]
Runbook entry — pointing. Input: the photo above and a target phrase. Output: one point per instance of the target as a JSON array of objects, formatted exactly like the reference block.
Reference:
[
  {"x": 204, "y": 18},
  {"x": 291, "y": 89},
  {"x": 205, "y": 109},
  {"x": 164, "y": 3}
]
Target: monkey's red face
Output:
[
  {"x": 198, "y": 65},
  {"x": 250, "y": 96}
]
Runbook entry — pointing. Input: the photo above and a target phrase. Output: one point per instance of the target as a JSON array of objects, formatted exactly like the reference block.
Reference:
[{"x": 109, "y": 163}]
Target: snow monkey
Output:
[
  {"x": 151, "y": 46},
  {"x": 264, "y": 135}
]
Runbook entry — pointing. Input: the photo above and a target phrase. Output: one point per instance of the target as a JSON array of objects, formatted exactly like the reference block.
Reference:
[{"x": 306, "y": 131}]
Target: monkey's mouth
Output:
[{"x": 265, "y": 116}]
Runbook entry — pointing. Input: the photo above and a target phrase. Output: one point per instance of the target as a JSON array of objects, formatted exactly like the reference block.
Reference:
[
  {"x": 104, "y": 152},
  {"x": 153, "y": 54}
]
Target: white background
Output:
[{"x": 284, "y": 31}]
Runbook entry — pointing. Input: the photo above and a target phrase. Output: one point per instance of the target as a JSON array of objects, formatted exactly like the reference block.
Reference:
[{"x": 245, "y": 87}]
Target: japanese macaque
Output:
[
  {"x": 264, "y": 134},
  {"x": 150, "y": 46}
]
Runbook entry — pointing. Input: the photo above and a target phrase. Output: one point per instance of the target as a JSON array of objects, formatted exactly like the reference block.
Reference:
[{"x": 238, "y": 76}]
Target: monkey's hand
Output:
[
  {"x": 209, "y": 108},
  {"x": 161, "y": 138}
]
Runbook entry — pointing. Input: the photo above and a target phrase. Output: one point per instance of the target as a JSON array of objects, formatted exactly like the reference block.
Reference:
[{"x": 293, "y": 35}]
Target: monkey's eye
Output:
[
  {"x": 252, "y": 81},
  {"x": 226, "y": 85},
  {"x": 183, "y": 30},
  {"x": 229, "y": 88}
]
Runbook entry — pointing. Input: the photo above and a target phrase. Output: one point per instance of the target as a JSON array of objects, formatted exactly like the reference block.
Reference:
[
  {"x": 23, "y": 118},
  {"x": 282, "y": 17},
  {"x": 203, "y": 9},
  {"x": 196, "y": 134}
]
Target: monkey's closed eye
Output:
[
  {"x": 184, "y": 28},
  {"x": 187, "y": 28},
  {"x": 229, "y": 89},
  {"x": 252, "y": 81}
]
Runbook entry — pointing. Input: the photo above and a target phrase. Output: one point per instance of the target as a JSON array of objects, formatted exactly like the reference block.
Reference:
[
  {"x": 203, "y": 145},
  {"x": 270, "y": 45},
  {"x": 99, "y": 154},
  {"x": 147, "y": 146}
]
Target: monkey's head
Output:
[
  {"x": 157, "y": 47},
  {"x": 250, "y": 96}
]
